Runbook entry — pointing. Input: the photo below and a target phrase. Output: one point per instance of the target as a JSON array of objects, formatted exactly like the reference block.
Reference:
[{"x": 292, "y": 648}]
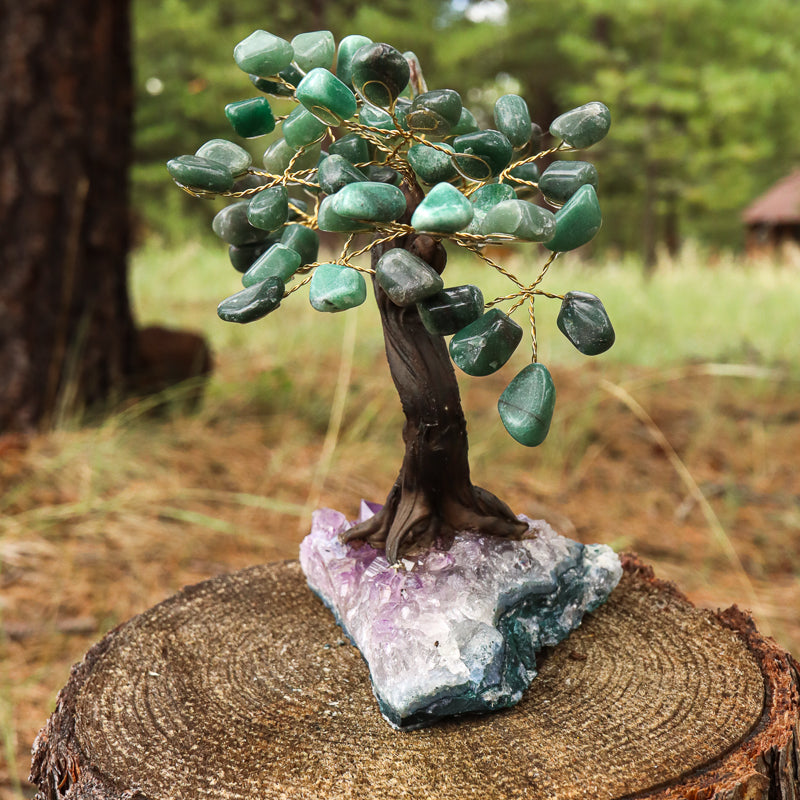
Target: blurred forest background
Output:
[{"x": 680, "y": 443}]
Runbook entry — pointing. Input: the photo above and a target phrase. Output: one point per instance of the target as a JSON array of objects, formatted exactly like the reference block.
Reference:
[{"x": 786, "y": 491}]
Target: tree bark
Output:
[
  {"x": 243, "y": 687},
  {"x": 67, "y": 337}
]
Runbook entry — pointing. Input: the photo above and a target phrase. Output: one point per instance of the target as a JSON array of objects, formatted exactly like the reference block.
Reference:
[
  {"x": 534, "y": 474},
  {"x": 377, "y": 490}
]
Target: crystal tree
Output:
[{"x": 408, "y": 168}]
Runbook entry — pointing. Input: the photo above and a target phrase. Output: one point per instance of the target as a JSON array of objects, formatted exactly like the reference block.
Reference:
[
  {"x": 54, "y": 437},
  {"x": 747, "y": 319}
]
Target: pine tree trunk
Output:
[{"x": 67, "y": 337}]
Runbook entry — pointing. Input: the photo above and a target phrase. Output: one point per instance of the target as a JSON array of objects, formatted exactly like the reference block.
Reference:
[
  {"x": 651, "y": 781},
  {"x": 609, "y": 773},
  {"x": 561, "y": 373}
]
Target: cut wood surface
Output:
[{"x": 243, "y": 687}]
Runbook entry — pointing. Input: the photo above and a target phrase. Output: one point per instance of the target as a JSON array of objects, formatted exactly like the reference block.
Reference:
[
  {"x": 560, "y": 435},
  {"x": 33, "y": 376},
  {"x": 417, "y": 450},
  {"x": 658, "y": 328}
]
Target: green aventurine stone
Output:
[
  {"x": 301, "y": 127},
  {"x": 577, "y": 221},
  {"x": 563, "y": 178},
  {"x": 235, "y": 158},
  {"x": 487, "y": 153},
  {"x": 344, "y": 57},
  {"x": 328, "y": 220},
  {"x": 450, "y": 310},
  {"x": 536, "y": 137},
  {"x": 335, "y": 287},
  {"x": 304, "y": 240},
  {"x": 584, "y": 321},
  {"x": 513, "y": 119},
  {"x": 524, "y": 172},
  {"x": 279, "y": 261},
  {"x": 379, "y": 73},
  {"x": 269, "y": 209},
  {"x": 314, "y": 49},
  {"x": 335, "y": 172},
  {"x": 326, "y": 97},
  {"x": 242, "y": 257},
  {"x": 252, "y": 303},
  {"x": 200, "y": 173},
  {"x": 375, "y": 117},
  {"x": 466, "y": 123},
  {"x": 380, "y": 173},
  {"x": 296, "y": 207},
  {"x": 444, "y": 210},
  {"x": 279, "y": 155},
  {"x": 352, "y": 147},
  {"x": 486, "y": 344},
  {"x": 371, "y": 201},
  {"x": 270, "y": 87},
  {"x": 416, "y": 82},
  {"x": 526, "y": 406},
  {"x": 486, "y": 198},
  {"x": 250, "y": 118},
  {"x": 583, "y": 126},
  {"x": 435, "y": 112},
  {"x": 263, "y": 54},
  {"x": 521, "y": 219},
  {"x": 431, "y": 164},
  {"x": 405, "y": 278},
  {"x": 232, "y": 226}
]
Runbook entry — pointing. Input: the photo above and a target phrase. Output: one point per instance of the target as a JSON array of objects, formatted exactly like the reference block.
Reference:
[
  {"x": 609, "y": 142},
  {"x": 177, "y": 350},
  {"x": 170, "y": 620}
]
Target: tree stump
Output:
[{"x": 243, "y": 687}]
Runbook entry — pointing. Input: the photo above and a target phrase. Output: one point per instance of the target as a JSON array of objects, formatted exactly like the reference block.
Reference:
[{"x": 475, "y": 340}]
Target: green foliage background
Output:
[{"x": 702, "y": 93}]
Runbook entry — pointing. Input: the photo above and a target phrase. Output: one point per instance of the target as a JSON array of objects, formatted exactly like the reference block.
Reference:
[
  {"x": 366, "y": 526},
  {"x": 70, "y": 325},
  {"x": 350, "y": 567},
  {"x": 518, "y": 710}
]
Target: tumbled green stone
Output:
[
  {"x": 279, "y": 155},
  {"x": 335, "y": 172},
  {"x": 235, "y": 158},
  {"x": 249, "y": 181},
  {"x": 513, "y": 118},
  {"x": 302, "y": 239},
  {"x": 374, "y": 117},
  {"x": 563, "y": 178},
  {"x": 434, "y": 113},
  {"x": 526, "y": 406},
  {"x": 380, "y": 173},
  {"x": 326, "y": 97},
  {"x": 520, "y": 176},
  {"x": 577, "y": 221},
  {"x": 263, "y": 54},
  {"x": 279, "y": 261},
  {"x": 401, "y": 109},
  {"x": 335, "y": 287},
  {"x": 200, "y": 173},
  {"x": 486, "y": 153},
  {"x": 520, "y": 219},
  {"x": 232, "y": 226},
  {"x": 352, "y": 147},
  {"x": 252, "y": 303},
  {"x": 444, "y": 210},
  {"x": 242, "y": 257},
  {"x": 536, "y": 137},
  {"x": 483, "y": 346},
  {"x": 270, "y": 87},
  {"x": 379, "y": 73},
  {"x": 450, "y": 310},
  {"x": 250, "y": 118},
  {"x": 584, "y": 321},
  {"x": 583, "y": 126},
  {"x": 344, "y": 57},
  {"x": 296, "y": 207},
  {"x": 416, "y": 81},
  {"x": 405, "y": 278},
  {"x": 328, "y": 220},
  {"x": 466, "y": 123},
  {"x": 313, "y": 49},
  {"x": 269, "y": 209},
  {"x": 301, "y": 127},
  {"x": 370, "y": 201},
  {"x": 484, "y": 199},
  {"x": 431, "y": 164}
]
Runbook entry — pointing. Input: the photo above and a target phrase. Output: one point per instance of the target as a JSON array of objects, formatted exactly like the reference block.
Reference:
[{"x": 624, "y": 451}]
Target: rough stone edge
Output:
[{"x": 765, "y": 765}]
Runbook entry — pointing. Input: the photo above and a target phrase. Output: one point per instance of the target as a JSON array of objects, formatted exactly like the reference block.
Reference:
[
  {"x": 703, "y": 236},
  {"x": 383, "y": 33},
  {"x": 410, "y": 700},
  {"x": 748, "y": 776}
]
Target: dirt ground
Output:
[{"x": 695, "y": 471}]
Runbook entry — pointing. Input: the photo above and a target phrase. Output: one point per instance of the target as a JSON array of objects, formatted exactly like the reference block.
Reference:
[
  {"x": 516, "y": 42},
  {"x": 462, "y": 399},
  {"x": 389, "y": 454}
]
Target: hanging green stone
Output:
[
  {"x": 243, "y": 257},
  {"x": 513, "y": 118},
  {"x": 200, "y": 173},
  {"x": 484, "y": 199},
  {"x": 269, "y": 209},
  {"x": 577, "y": 221},
  {"x": 232, "y": 226},
  {"x": 313, "y": 49},
  {"x": 450, "y": 310},
  {"x": 249, "y": 181},
  {"x": 251, "y": 118},
  {"x": 335, "y": 172},
  {"x": 431, "y": 164},
  {"x": 434, "y": 113},
  {"x": 563, "y": 178},
  {"x": 279, "y": 261},
  {"x": 416, "y": 81},
  {"x": 526, "y": 406},
  {"x": 344, "y": 57},
  {"x": 582, "y": 127},
  {"x": 486, "y": 153},
  {"x": 328, "y": 220},
  {"x": 370, "y": 201},
  {"x": 270, "y": 87},
  {"x": 520, "y": 219},
  {"x": 326, "y": 97},
  {"x": 444, "y": 210},
  {"x": 401, "y": 108},
  {"x": 252, "y": 303},
  {"x": 335, "y": 287},
  {"x": 486, "y": 344},
  {"x": 296, "y": 208},
  {"x": 301, "y": 128},
  {"x": 380, "y": 173},
  {"x": 279, "y": 155},
  {"x": 302, "y": 239},
  {"x": 584, "y": 321},
  {"x": 263, "y": 54},
  {"x": 374, "y": 117},
  {"x": 466, "y": 123},
  {"x": 405, "y": 278},
  {"x": 379, "y": 73},
  {"x": 352, "y": 147},
  {"x": 235, "y": 158},
  {"x": 521, "y": 176}
]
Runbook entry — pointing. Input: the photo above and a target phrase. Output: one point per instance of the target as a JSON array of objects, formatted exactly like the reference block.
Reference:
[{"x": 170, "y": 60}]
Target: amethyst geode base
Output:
[{"x": 455, "y": 630}]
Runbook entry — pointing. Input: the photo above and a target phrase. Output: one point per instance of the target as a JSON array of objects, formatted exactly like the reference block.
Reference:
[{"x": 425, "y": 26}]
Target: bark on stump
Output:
[{"x": 242, "y": 687}]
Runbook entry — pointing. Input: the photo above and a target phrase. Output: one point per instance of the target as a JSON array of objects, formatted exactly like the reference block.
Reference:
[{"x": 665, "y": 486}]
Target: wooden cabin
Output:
[{"x": 773, "y": 219}]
